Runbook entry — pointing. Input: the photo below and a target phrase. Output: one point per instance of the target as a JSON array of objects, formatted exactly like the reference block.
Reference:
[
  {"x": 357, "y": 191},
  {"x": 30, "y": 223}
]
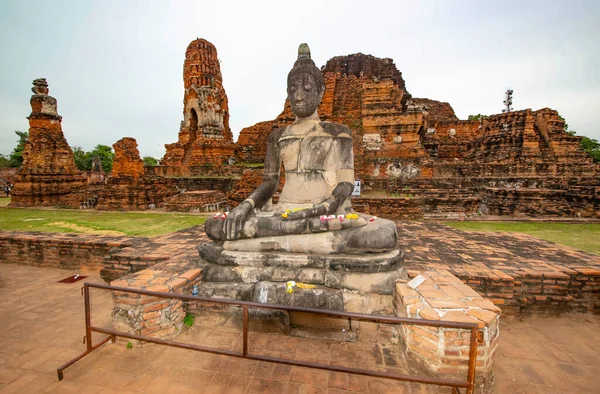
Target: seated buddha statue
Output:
[{"x": 314, "y": 213}]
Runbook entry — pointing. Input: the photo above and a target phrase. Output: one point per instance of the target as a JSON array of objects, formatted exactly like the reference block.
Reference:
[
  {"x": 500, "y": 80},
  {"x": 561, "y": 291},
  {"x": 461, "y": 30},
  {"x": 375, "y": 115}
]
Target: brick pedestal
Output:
[
  {"x": 444, "y": 352},
  {"x": 153, "y": 316}
]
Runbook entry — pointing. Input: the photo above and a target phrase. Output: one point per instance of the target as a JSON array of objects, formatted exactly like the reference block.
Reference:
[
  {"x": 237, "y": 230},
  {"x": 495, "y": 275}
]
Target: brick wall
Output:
[
  {"x": 68, "y": 251},
  {"x": 577, "y": 290},
  {"x": 389, "y": 207}
]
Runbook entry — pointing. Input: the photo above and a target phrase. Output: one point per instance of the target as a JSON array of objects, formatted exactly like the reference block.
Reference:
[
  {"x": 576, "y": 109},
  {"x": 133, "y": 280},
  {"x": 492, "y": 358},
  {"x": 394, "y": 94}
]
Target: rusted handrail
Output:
[{"x": 469, "y": 384}]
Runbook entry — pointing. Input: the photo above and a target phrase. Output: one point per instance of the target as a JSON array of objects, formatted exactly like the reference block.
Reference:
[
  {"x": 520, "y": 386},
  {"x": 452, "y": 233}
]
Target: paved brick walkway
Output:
[
  {"x": 490, "y": 253},
  {"x": 518, "y": 272},
  {"x": 42, "y": 327},
  {"x": 426, "y": 243}
]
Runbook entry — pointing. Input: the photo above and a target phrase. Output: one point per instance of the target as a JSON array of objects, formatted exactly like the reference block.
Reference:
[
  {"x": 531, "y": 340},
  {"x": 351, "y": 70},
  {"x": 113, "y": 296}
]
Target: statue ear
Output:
[{"x": 322, "y": 92}]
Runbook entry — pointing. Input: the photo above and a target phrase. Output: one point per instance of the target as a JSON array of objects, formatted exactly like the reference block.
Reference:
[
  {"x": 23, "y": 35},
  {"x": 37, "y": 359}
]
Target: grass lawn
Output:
[
  {"x": 92, "y": 222},
  {"x": 4, "y": 201},
  {"x": 584, "y": 236}
]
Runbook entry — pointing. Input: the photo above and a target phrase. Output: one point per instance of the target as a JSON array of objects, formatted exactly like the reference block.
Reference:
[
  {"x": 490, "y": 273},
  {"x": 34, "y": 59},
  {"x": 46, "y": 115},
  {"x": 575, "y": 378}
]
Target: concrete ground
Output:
[{"x": 42, "y": 326}]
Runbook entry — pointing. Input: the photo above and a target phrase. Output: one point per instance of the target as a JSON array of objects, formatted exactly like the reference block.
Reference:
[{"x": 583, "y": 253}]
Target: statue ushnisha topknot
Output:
[
  {"x": 303, "y": 51},
  {"x": 305, "y": 64}
]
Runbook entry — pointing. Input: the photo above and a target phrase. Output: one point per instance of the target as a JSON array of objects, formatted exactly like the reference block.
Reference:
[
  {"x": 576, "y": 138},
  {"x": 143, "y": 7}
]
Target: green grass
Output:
[
  {"x": 250, "y": 165},
  {"x": 93, "y": 222},
  {"x": 584, "y": 236},
  {"x": 4, "y": 201}
]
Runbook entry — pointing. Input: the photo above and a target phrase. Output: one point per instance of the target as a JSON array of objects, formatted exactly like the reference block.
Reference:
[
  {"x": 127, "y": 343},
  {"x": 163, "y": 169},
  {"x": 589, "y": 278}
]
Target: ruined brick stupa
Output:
[
  {"x": 204, "y": 136},
  {"x": 48, "y": 172}
]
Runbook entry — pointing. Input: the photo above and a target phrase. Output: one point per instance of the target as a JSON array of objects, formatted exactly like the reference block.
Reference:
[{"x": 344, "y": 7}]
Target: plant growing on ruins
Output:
[
  {"x": 478, "y": 117},
  {"x": 590, "y": 145},
  {"x": 188, "y": 320}
]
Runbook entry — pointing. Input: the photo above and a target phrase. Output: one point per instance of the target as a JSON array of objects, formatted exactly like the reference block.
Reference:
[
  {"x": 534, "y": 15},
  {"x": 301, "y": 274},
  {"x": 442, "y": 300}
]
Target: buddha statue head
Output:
[{"x": 305, "y": 84}]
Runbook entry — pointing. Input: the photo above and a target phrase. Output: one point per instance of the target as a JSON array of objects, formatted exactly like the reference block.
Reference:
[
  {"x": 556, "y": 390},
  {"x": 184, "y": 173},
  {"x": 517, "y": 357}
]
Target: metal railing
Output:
[{"x": 469, "y": 383}]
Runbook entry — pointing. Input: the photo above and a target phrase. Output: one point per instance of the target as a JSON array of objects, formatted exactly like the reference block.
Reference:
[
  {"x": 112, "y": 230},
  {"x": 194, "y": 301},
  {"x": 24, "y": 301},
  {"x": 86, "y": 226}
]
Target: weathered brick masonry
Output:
[{"x": 68, "y": 251}]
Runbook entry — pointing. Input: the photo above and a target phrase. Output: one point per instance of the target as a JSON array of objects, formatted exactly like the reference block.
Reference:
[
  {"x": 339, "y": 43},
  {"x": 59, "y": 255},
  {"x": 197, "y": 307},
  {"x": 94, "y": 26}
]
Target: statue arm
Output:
[
  {"x": 234, "y": 223},
  {"x": 268, "y": 187}
]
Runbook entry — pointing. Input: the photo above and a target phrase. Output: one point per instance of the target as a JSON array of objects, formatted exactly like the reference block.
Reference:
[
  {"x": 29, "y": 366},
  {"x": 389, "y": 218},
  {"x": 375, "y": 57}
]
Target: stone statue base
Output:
[{"x": 342, "y": 282}]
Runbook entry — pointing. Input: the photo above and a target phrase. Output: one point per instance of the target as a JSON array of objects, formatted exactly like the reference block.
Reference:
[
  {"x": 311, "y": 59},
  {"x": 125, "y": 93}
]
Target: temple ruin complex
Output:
[
  {"x": 515, "y": 163},
  {"x": 414, "y": 157}
]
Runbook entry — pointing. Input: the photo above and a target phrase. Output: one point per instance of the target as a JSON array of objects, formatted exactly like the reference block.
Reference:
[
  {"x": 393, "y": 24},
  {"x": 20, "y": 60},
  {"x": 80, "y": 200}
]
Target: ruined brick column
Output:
[
  {"x": 204, "y": 136},
  {"x": 48, "y": 171}
]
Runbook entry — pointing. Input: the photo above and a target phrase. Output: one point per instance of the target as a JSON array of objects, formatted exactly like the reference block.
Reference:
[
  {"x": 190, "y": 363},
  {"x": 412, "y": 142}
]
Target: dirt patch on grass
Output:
[{"x": 86, "y": 230}]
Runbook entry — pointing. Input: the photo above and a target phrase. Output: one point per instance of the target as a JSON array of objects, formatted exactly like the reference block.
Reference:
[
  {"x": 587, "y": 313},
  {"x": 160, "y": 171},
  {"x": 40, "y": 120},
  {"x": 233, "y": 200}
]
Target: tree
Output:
[
  {"x": 4, "y": 161},
  {"x": 16, "y": 157},
  {"x": 83, "y": 161},
  {"x": 106, "y": 155},
  {"x": 566, "y": 125},
  {"x": 592, "y": 147},
  {"x": 150, "y": 161}
]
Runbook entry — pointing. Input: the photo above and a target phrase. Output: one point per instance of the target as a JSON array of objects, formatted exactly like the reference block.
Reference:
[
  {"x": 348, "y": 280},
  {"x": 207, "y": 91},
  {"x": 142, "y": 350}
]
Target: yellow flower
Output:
[{"x": 284, "y": 215}]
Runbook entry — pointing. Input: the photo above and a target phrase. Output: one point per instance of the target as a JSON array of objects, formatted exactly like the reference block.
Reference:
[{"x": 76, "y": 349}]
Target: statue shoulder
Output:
[
  {"x": 335, "y": 129},
  {"x": 275, "y": 135}
]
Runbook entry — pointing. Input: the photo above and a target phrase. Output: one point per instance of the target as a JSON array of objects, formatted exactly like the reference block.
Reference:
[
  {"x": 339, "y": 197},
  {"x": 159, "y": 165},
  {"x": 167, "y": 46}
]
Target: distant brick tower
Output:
[
  {"x": 48, "y": 171},
  {"x": 204, "y": 135}
]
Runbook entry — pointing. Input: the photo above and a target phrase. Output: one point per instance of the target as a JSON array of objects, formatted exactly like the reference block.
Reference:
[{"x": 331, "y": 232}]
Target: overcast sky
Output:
[{"x": 116, "y": 66}]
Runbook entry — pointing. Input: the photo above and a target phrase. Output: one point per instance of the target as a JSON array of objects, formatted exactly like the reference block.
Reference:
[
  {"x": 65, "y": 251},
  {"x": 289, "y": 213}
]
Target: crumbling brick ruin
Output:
[
  {"x": 48, "y": 172},
  {"x": 517, "y": 163},
  {"x": 129, "y": 188},
  {"x": 204, "y": 137}
]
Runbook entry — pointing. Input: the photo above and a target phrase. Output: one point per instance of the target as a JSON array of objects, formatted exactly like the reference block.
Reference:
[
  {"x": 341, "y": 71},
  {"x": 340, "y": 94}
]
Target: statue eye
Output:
[
  {"x": 293, "y": 89},
  {"x": 307, "y": 86}
]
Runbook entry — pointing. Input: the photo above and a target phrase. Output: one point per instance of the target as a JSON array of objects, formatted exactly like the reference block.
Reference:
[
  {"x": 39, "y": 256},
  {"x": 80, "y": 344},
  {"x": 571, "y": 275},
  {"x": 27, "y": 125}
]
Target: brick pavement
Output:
[
  {"x": 518, "y": 272},
  {"x": 42, "y": 327}
]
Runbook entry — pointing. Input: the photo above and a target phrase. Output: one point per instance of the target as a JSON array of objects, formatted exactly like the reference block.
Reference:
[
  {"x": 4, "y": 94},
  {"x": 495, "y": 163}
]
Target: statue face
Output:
[{"x": 304, "y": 95}]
